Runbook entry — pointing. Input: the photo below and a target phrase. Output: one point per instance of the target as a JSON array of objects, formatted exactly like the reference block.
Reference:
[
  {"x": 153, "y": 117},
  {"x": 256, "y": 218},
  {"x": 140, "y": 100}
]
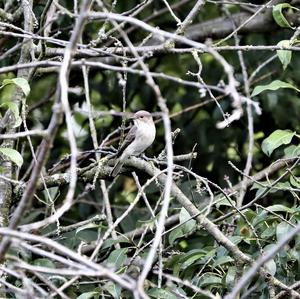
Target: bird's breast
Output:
[
  {"x": 145, "y": 136},
  {"x": 147, "y": 133}
]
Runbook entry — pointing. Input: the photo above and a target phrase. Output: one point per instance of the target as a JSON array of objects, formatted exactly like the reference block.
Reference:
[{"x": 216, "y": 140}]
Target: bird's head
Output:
[{"x": 142, "y": 117}]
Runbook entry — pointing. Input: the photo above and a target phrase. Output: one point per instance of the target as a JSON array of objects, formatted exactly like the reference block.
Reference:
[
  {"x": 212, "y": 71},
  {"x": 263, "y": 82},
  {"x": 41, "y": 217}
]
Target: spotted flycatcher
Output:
[{"x": 138, "y": 139}]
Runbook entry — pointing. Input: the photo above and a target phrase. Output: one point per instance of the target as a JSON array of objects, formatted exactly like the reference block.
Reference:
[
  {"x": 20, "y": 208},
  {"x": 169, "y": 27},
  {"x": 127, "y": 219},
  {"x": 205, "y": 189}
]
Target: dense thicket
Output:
[{"x": 191, "y": 218}]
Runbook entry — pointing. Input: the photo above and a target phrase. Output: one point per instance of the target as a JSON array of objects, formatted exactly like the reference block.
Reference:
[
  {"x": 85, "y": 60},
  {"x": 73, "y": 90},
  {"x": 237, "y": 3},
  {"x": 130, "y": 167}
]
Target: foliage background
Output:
[{"x": 191, "y": 261}]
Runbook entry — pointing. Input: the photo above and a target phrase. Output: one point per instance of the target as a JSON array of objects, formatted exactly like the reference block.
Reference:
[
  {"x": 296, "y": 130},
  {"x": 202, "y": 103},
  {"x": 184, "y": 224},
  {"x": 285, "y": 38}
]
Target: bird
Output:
[{"x": 139, "y": 138}]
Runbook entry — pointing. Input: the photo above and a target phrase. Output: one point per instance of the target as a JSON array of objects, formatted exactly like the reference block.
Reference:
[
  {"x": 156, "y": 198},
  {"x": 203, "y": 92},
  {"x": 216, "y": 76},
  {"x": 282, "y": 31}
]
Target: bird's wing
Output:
[{"x": 128, "y": 139}]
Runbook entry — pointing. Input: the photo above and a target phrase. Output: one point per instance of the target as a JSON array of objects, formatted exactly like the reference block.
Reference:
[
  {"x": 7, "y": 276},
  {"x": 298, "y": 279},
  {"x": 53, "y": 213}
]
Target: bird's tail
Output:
[{"x": 117, "y": 168}]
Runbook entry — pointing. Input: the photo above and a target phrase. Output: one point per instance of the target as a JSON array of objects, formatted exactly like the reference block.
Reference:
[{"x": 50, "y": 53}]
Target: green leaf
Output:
[
  {"x": 260, "y": 189},
  {"x": 161, "y": 294},
  {"x": 272, "y": 86},
  {"x": 236, "y": 239},
  {"x": 279, "y": 16},
  {"x": 222, "y": 260},
  {"x": 188, "y": 258},
  {"x": 283, "y": 186},
  {"x": 280, "y": 208},
  {"x": 86, "y": 226},
  {"x": 87, "y": 295},
  {"x": 211, "y": 280},
  {"x": 230, "y": 276},
  {"x": 194, "y": 256},
  {"x": 276, "y": 139},
  {"x": 87, "y": 235},
  {"x": 271, "y": 266},
  {"x": 185, "y": 228},
  {"x": 44, "y": 263},
  {"x": 12, "y": 155},
  {"x": 20, "y": 82},
  {"x": 110, "y": 242},
  {"x": 284, "y": 56},
  {"x": 292, "y": 151},
  {"x": 175, "y": 234},
  {"x": 117, "y": 257},
  {"x": 295, "y": 181},
  {"x": 113, "y": 288},
  {"x": 261, "y": 217},
  {"x": 282, "y": 229},
  {"x": 268, "y": 233},
  {"x": 224, "y": 201},
  {"x": 15, "y": 110},
  {"x": 185, "y": 218},
  {"x": 173, "y": 263},
  {"x": 263, "y": 185},
  {"x": 193, "y": 259}
]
